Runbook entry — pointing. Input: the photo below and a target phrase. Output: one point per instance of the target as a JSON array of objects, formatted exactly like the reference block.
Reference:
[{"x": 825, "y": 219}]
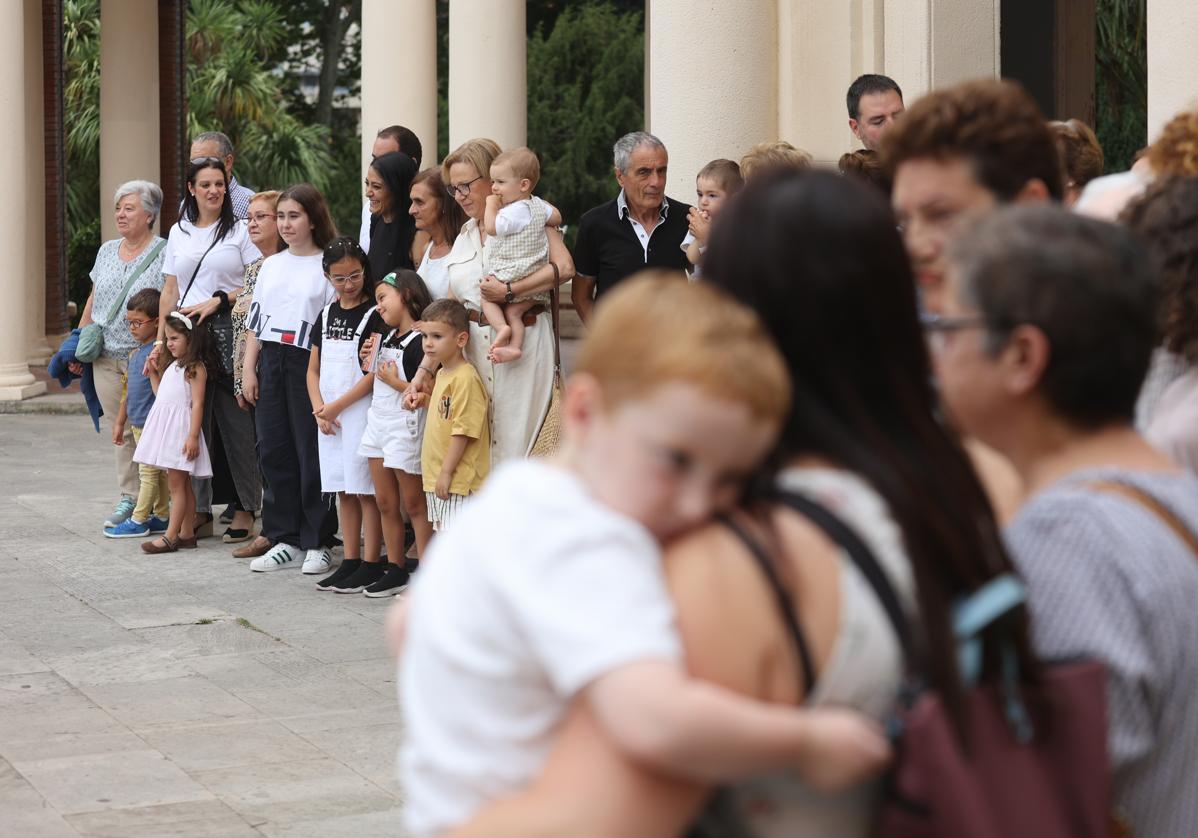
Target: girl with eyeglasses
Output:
[{"x": 340, "y": 396}]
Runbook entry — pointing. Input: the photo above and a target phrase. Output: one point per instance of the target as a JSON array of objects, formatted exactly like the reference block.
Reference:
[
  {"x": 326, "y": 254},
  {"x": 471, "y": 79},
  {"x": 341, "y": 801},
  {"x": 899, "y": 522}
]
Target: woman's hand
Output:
[
  {"x": 191, "y": 448},
  {"x": 388, "y": 373},
  {"x": 152, "y": 360},
  {"x": 205, "y": 309},
  {"x": 242, "y": 403},
  {"x": 492, "y": 289},
  {"x": 249, "y": 385},
  {"x": 76, "y": 367}
]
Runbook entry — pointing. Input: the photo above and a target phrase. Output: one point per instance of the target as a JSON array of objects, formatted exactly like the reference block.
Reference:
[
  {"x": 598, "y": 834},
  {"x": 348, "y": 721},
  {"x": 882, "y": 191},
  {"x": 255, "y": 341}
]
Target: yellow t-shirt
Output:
[{"x": 458, "y": 407}]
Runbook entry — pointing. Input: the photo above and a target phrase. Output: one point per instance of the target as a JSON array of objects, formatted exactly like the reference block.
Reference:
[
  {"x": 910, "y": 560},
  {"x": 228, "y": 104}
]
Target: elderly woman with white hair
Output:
[{"x": 124, "y": 266}]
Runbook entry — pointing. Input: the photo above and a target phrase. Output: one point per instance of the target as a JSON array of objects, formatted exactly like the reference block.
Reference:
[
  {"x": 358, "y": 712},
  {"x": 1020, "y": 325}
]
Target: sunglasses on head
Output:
[{"x": 195, "y": 161}]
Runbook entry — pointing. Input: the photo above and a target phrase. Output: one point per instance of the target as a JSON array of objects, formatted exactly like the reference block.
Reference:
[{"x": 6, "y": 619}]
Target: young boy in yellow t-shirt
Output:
[{"x": 455, "y": 456}]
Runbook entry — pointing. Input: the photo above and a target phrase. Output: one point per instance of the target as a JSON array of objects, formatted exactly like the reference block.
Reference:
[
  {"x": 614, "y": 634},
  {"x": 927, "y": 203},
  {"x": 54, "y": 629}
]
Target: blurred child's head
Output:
[
  {"x": 514, "y": 175},
  {"x": 189, "y": 342},
  {"x": 141, "y": 313},
  {"x": 348, "y": 270},
  {"x": 677, "y": 396},
  {"x": 401, "y": 291},
  {"x": 446, "y": 329},
  {"x": 716, "y": 181}
]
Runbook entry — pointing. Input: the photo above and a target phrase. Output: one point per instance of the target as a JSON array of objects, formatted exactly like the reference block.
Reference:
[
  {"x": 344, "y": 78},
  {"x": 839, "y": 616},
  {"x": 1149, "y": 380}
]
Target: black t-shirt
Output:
[
  {"x": 390, "y": 244},
  {"x": 608, "y": 249},
  {"x": 343, "y": 323},
  {"x": 413, "y": 353}
]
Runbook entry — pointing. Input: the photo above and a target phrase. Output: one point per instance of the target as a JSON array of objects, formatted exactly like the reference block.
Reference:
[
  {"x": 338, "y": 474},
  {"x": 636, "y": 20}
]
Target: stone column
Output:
[
  {"x": 16, "y": 382},
  {"x": 712, "y": 91},
  {"x": 1172, "y": 60},
  {"x": 488, "y": 72},
  {"x": 937, "y": 43},
  {"x": 399, "y": 85},
  {"x": 128, "y": 99},
  {"x": 35, "y": 193}
]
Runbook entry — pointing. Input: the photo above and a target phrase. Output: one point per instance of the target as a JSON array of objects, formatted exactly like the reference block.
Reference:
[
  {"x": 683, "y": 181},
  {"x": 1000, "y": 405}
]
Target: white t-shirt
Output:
[
  {"x": 517, "y": 215},
  {"x": 290, "y": 294},
  {"x": 535, "y": 591},
  {"x": 223, "y": 269}
]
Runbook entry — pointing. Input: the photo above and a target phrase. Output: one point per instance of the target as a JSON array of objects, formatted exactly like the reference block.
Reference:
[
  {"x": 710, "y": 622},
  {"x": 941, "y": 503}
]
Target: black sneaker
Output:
[
  {"x": 367, "y": 574},
  {"x": 342, "y": 573},
  {"x": 411, "y": 565},
  {"x": 394, "y": 580}
]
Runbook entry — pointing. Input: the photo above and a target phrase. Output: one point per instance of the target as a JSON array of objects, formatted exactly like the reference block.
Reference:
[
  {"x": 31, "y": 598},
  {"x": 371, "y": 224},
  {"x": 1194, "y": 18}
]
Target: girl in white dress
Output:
[{"x": 172, "y": 438}]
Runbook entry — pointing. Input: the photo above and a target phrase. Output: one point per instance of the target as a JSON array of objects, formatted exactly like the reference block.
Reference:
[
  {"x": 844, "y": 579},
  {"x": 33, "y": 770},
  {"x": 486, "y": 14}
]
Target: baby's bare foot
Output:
[{"x": 505, "y": 354}]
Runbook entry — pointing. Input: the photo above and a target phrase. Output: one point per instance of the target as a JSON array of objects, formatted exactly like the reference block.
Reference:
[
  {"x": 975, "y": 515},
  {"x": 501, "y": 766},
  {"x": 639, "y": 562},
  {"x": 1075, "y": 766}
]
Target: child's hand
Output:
[
  {"x": 414, "y": 399},
  {"x": 843, "y": 749},
  {"x": 118, "y": 433},
  {"x": 329, "y": 411},
  {"x": 326, "y": 427},
  {"x": 151, "y": 364},
  {"x": 494, "y": 201},
  {"x": 191, "y": 448},
  {"x": 442, "y": 490},
  {"x": 699, "y": 225},
  {"x": 388, "y": 373},
  {"x": 367, "y": 347}
]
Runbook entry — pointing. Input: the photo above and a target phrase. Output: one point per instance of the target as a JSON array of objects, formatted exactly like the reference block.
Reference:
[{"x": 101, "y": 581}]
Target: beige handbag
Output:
[{"x": 549, "y": 436}]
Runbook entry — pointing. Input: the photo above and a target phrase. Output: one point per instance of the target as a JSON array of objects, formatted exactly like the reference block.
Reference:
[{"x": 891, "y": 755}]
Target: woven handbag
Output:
[{"x": 550, "y": 434}]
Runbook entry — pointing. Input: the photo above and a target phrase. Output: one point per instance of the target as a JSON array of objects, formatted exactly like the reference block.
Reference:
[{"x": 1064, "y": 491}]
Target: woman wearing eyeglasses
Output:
[
  {"x": 206, "y": 256},
  {"x": 137, "y": 204},
  {"x": 392, "y": 231},
  {"x": 520, "y": 391}
]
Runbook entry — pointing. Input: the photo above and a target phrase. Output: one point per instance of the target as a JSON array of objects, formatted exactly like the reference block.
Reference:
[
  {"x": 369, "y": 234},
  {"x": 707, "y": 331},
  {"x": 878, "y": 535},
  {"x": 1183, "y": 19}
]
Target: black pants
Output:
[
  {"x": 293, "y": 509},
  {"x": 229, "y": 432}
]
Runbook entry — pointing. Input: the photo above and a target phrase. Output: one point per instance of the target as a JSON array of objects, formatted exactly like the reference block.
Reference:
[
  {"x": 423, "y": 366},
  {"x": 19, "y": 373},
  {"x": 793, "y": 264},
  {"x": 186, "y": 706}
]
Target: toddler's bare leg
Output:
[
  {"x": 494, "y": 314},
  {"x": 515, "y": 318}
]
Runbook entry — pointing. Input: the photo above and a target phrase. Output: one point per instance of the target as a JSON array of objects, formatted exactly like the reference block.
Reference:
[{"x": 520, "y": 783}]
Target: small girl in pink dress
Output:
[{"x": 172, "y": 438}]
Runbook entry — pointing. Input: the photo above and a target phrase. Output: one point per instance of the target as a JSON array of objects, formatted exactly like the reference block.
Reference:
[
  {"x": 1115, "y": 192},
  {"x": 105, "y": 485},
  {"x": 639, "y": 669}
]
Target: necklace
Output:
[{"x": 132, "y": 250}]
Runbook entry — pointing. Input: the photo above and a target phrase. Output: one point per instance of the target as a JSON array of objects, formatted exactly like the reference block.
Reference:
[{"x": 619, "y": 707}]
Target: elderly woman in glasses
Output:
[
  {"x": 520, "y": 391},
  {"x": 137, "y": 204}
]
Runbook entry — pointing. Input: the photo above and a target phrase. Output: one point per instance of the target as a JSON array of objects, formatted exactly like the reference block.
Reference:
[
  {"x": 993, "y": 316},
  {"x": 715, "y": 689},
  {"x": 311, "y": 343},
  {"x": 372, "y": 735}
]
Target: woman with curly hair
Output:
[{"x": 1166, "y": 219}]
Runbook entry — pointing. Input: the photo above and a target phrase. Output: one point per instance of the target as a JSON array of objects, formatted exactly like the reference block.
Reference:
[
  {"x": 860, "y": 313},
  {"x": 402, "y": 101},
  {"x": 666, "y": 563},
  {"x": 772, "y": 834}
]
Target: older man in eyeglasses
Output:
[{"x": 215, "y": 144}]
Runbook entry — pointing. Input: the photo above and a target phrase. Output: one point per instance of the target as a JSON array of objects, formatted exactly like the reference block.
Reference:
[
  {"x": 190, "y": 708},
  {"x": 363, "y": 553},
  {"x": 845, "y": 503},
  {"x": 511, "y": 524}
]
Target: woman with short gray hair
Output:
[{"x": 137, "y": 204}]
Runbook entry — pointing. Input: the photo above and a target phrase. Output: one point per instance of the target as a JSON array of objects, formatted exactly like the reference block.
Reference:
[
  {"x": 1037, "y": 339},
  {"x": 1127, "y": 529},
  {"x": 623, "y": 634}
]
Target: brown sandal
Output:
[{"x": 168, "y": 546}]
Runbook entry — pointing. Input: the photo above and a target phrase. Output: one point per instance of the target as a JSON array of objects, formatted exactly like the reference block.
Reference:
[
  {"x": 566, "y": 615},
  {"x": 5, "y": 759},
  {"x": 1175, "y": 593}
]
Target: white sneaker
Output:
[
  {"x": 279, "y": 557},
  {"x": 317, "y": 561}
]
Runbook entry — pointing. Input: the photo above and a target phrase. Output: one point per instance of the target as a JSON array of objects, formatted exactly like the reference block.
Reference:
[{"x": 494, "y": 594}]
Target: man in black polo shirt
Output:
[{"x": 641, "y": 228}]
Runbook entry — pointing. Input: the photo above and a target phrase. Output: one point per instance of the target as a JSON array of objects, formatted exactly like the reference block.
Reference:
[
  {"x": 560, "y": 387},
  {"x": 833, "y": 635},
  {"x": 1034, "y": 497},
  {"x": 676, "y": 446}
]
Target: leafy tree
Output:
[
  {"x": 1122, "y": 83},
  {"x": 585, "y": 89}
]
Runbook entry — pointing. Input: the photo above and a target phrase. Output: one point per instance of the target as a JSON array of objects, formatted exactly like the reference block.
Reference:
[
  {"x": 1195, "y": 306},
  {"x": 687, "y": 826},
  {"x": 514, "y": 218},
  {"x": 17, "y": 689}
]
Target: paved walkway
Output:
[{"x": 180, "y": 694}]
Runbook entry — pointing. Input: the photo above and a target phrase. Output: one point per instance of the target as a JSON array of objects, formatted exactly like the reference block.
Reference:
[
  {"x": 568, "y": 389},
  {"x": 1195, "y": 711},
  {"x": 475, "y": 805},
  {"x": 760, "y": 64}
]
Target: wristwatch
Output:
[{"x": 510, "y": 298}]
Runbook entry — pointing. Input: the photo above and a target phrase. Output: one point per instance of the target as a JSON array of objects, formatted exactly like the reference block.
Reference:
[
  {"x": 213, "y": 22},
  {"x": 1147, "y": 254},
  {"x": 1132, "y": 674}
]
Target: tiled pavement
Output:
[{"x": 179, "y": 694}]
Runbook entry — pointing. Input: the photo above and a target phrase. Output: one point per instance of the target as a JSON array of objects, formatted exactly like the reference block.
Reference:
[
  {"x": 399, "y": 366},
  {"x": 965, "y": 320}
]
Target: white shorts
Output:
[
  {"x": 441, "y": 513},
  {"x": 395, "y": 438}
]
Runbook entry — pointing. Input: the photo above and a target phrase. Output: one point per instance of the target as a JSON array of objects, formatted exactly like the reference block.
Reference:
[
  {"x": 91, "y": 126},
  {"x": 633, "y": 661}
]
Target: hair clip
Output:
[
  {"x": 391, "y": 280},
  {"x": 186, "y": 320}
]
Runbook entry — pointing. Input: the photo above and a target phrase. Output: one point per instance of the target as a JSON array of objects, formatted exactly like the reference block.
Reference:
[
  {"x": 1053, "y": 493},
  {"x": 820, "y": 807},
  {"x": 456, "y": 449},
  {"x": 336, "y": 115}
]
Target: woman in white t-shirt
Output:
[
  {"x": 204, "y": 270},
  {"x": 290, "y": 294}
]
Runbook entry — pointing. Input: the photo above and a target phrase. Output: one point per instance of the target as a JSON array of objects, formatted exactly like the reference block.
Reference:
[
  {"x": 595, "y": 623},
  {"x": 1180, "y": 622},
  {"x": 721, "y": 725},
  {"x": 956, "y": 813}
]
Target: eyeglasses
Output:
[
  {"x": 937, "y": 327},
  {"x": 259, "y": 217},
  {"x": 137, "y": 324},
  {"x": 461, "y": 189},
  {"x": 356, "y": 276}
]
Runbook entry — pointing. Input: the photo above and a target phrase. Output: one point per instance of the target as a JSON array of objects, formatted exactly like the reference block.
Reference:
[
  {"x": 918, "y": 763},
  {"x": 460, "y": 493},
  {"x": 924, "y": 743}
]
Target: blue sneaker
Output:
[
  {"x": 157, "y": 525},
  {"x": 122, "y": 513},
  {"x": 128, "y": 529}
]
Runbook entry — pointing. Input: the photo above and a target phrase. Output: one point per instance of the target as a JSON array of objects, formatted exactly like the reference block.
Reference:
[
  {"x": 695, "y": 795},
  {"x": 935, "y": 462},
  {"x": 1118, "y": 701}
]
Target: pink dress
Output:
[{"x": 162, "y": 438}]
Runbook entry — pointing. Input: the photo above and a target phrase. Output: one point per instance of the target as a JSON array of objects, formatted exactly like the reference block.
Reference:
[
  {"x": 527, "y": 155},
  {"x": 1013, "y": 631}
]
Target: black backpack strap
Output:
[
  {"x": 782, "y": 597},
  {"x": 862, "y": 557}
]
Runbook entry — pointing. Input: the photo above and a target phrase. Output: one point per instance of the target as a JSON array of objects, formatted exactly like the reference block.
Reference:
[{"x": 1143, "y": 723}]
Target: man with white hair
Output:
[
  {"x": 218, "y": 145},
  {"x": 641, "y": 228}
]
